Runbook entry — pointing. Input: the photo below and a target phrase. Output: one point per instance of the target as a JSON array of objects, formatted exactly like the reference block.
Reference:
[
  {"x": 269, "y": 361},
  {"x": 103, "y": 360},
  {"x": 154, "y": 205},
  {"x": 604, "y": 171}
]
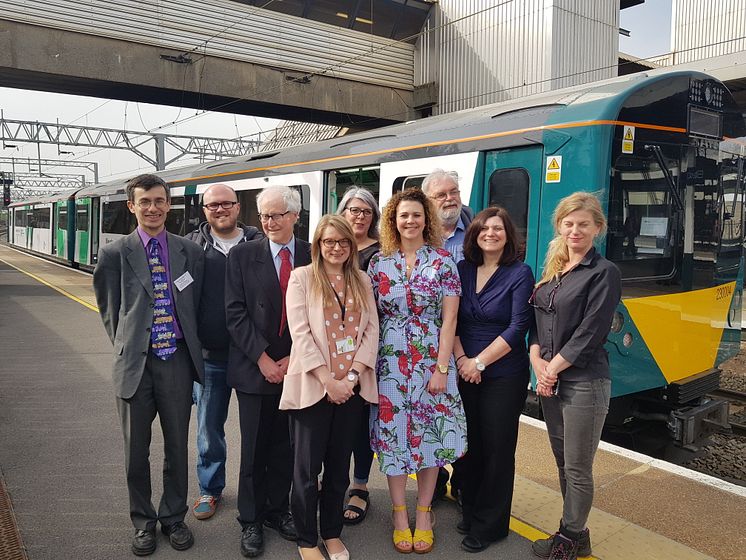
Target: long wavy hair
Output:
[
  {"x": 354, "y": 287},
  {"x": 390, "y": 237},
  {"x": 558, "y": 255}
]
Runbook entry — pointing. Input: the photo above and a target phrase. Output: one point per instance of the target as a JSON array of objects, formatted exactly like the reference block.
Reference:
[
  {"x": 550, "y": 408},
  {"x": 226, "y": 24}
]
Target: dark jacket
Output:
[
  {"x": 467, "y": 215},
  {"x": 211, "y": 319},
  {"x": 253, "y": 308},
  {"x": 573, "y": 317}
]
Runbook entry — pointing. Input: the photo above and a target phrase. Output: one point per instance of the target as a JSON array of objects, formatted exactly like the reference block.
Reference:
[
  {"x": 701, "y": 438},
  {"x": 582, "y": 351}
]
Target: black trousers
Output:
[
  {"x": 323, "y": 435},
  {"x": 165, "y": 390},
  {"x": 492, "y": 409},
  {"x": 266, "y": 460}
]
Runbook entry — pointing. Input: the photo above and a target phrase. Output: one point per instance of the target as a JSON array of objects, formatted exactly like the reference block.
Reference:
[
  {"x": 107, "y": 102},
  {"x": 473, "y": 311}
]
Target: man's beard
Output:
[{"x": 449, "y": 216}]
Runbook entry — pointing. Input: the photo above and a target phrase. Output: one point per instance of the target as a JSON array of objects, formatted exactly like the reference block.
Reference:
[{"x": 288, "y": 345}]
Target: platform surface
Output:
[{"x": 62, "y": 461}]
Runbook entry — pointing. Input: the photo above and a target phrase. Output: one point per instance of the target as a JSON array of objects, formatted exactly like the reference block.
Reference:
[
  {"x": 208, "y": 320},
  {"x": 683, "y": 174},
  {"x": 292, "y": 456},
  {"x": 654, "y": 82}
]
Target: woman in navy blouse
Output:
[{"x": 494, "y": 317}]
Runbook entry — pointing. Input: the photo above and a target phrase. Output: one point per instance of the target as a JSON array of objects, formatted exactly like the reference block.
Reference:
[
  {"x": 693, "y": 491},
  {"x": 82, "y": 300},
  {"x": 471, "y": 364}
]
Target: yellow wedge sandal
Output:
[
  {"x": 402, "y": 539},
  {"x": 426, "y": 537}
]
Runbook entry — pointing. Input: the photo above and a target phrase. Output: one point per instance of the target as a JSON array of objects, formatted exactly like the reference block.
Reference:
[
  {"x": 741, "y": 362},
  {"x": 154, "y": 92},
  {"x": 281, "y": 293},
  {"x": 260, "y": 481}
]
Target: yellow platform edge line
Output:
[{"x": 55, "y": 288}]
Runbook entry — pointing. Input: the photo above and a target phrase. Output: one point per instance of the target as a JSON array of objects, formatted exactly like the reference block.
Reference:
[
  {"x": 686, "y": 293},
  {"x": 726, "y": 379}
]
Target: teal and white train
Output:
[{"x": 664, "y": 151}]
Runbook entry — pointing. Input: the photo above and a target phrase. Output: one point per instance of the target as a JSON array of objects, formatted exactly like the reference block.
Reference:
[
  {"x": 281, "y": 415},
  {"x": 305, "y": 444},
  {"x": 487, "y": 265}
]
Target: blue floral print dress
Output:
[{"x": 410, "y": 428}]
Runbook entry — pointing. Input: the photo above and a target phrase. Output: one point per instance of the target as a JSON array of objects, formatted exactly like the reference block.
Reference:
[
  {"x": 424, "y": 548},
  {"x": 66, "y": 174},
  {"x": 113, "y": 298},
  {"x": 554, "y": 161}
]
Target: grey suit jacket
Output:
[{"x": 124, "y": 293}]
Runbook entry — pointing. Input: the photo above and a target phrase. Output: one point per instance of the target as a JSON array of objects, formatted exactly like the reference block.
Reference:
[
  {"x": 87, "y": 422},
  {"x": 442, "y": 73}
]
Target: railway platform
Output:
[{"x": 62, "y": 487}]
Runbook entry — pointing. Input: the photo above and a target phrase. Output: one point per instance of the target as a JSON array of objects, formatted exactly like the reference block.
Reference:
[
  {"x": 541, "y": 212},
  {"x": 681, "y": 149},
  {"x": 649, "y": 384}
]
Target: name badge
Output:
[
  {"x": 345, "y": 345},
  {"x": 183, "y": 281}
]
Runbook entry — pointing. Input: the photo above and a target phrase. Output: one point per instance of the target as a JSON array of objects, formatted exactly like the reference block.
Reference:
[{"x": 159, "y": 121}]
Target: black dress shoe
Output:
[
  {"x": 179, "y": 535},
  {"x": 284, "y": 525},
  {"x": 144, "y": 542},
  {"x": 474, "y": 544},
  {"x": 252, "y": 540},
  {"x": 463, "y": 527}
]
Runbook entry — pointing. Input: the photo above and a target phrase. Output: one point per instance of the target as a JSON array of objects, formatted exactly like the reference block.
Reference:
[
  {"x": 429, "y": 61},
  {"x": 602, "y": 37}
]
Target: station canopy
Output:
[{"x": 394, "y": 19}]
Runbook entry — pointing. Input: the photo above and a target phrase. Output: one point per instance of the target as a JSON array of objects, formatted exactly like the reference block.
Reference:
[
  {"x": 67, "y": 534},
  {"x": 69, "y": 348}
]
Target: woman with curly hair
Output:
[{"x": 419, "y": 423}]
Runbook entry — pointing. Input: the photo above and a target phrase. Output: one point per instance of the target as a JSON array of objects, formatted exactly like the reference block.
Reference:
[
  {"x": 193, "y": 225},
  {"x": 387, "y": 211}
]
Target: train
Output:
[{"x": 664, "y": 151}]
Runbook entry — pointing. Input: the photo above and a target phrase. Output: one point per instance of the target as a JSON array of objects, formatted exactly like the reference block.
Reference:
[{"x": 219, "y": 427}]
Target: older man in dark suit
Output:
[
  {"x": 148, "y": 286},
  {"x": 256, "y": 280}
]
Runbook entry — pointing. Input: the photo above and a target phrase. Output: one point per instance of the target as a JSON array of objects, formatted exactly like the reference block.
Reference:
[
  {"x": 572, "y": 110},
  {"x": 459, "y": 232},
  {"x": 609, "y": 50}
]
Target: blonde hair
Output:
[
  {"x": 390, "y": 237},
  {"x": 558, "y": 255},
  {"x": 353, "y": 280}
]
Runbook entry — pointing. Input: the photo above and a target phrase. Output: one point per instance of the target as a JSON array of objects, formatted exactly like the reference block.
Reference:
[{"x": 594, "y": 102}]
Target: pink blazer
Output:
[{"x": 310, "y": 349}]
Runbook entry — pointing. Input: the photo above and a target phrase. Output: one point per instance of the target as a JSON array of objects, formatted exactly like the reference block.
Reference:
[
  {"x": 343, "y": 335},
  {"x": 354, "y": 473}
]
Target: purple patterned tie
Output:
[{"x": 162, "y": 334}]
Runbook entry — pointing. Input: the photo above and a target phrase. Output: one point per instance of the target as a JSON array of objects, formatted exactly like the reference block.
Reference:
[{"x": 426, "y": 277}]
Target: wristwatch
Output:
[
  {"x": 443, "y": 368},
  {"x": 353, "y": 375},
  {"x": 479, "y": 364}
]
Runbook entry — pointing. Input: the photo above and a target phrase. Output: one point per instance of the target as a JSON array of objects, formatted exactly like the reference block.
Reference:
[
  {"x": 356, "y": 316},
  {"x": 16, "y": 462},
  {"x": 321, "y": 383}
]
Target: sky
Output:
[{"x": 649, "y": 25}]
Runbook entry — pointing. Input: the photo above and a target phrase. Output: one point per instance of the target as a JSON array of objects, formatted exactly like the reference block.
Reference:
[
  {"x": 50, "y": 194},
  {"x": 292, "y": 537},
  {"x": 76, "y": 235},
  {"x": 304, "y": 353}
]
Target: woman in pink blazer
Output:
[{"x": 334, "y": 325}]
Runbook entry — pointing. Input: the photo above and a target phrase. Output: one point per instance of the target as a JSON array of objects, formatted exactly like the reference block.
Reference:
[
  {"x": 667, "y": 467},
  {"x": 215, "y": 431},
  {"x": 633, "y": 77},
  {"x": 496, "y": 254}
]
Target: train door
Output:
[
  {"x": 82, "y": 229},
  {"x": 512, "y": 179},
  {"x": 95, "y": 213}
]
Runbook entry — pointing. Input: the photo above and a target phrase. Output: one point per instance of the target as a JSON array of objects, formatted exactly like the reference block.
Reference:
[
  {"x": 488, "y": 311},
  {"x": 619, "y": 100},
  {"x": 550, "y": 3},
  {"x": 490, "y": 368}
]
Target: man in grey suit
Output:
[{"x": 147, "y": 287}]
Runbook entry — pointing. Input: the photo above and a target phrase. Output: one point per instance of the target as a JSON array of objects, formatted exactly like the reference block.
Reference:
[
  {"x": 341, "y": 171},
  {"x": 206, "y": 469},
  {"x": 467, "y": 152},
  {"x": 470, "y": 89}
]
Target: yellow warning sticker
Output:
[
  {"x": 628, "y": 140},
  {"x": 553, "y": 169}
]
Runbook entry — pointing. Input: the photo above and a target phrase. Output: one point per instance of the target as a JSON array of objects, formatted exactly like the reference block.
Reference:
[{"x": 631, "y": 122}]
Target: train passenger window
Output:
[
  {"x": 509, "y": 189},
  {"x": 41, "y": 218},
  {"x": 250, "y": 213},
  {"x": 175, "y": 217},
  {"x": 62, "y": 217},
  {"x": 342, "y": 179},
  {"x": 116, "y": 218},
  {"x": 643, "y": 220},
  {"x": 81, "y": 216},
  {"x": 404, "y": 183}
]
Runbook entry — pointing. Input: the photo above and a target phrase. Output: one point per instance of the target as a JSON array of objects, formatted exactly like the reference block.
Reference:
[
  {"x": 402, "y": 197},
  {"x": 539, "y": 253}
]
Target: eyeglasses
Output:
[
  {"x": 355, "y": 211},
  {"x": 453, "y": 193},
  {"x": 331, "y": 243},
  {"x": 144, "y": 204},
  {"x": 225, "y": 205},
  {"x": 552, "y": 293},
  {"x": 264, "y": 218}
]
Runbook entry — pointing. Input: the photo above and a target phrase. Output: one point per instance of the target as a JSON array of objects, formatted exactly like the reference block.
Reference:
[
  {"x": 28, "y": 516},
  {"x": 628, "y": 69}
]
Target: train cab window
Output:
[
  {"x": 82, "y": 217},
  {"x": 509, "y": 189},
  {"x": 116, "y": 218},
  {"x": 342, "y": 179},
  {"x": 62, "y": 216},
  {"x": 19, "y": 218},
  {"x": 643, "y": 218},
  {"x": 404, "y": 183}
]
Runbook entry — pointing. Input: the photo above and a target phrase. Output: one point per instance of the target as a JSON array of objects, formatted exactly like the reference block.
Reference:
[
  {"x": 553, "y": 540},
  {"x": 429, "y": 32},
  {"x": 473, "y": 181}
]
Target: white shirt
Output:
[
  {"x": 275, "y": 249},
  {"x": 225, "y": 245}
]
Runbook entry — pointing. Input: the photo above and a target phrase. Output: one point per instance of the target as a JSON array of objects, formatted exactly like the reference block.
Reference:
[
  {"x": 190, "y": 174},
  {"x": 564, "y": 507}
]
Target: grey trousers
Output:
[
  {"x": 575, "y": 418},
  {"x": 165, "y": 390}
]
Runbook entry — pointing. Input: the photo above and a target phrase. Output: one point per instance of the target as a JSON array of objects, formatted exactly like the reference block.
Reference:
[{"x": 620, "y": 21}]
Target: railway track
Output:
[{"x": 738, "y": 426}]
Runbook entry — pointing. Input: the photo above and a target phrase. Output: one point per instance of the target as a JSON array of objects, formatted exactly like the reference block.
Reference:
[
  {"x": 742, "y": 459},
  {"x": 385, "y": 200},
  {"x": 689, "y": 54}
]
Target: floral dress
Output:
[{"x": 410, "y": 428}]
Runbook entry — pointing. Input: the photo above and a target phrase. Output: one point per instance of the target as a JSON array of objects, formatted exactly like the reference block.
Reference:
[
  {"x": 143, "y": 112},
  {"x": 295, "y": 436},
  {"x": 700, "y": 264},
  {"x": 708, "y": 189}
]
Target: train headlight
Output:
[
  {"x": 627, "y": 340},
  {"x": 617, "y": 322}
]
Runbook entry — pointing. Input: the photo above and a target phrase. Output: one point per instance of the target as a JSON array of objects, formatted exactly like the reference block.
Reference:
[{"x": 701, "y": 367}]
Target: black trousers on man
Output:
[
  {"x": 492, "y": 408},
  {"x": 323, "y": 435},
  {"x": 266, "y": 460},
  {"x": 165, "y": 390}
]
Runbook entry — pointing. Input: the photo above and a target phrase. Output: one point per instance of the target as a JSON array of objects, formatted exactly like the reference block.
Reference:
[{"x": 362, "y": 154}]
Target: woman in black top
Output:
[
  {"x": 574, "y": 304},
  {"x": 490, "y": 347},
  {"x": 360, "y": 209}
]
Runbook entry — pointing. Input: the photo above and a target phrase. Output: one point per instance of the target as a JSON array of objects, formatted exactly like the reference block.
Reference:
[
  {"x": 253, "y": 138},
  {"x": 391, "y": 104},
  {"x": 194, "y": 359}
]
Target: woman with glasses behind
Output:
[
  {"x": 334, "y": 325},
  {"x": 493, "y": 319},
  {"x": 574, "y": 303},
  {"x": 358, "y": 206}
]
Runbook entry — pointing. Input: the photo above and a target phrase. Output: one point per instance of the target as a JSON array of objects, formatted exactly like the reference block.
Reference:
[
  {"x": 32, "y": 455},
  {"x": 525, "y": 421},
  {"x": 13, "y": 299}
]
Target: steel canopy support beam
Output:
[{"x": 94, "y": 137}]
